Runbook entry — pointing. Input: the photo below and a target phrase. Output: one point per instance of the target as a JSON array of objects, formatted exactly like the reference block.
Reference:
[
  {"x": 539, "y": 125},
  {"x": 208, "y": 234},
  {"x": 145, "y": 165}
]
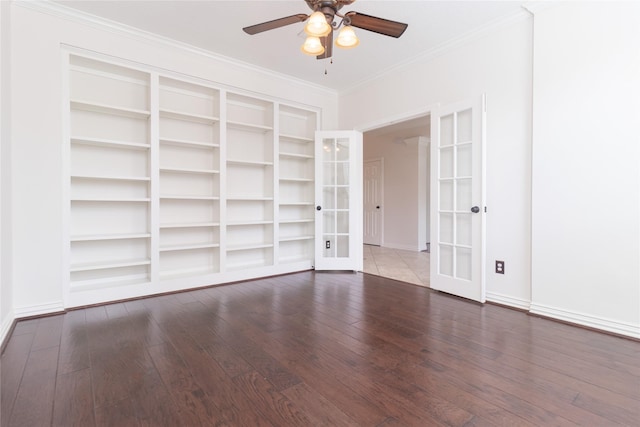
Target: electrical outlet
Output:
[
  {"x": 500, "y": 267},
  {"x": 327, "y": 244}
]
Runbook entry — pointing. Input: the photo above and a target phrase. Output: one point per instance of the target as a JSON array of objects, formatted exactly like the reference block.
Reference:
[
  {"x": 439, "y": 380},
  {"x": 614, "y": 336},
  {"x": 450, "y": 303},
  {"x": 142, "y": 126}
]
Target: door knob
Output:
[
  {"x": 377, "y": 207},
  {"x": 318, "y": 208},
  {"x": 475, "y": 209}
]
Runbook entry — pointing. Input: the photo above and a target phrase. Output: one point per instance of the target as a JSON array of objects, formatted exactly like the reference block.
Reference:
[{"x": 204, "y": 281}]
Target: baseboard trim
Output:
[
  {"x": 39, "y": 310},
  {"x": 401, "y": 247},
  {"x": 6, "y": 328},
  {"x": 506, "y": 300},
  {"x": 613, "y": 326}
]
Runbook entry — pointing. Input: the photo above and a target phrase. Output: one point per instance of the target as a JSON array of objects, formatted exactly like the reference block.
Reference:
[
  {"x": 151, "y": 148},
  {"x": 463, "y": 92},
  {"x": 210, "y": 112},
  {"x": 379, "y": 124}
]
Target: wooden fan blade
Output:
[
  {"x": 276, "y": 23},
  {"x": 377, "y": 25},
  {"x": 327, "y": 42}
]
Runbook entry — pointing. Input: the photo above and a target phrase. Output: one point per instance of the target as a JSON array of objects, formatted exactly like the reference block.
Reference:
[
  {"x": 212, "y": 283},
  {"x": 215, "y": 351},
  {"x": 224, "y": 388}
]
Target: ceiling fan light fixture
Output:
[
  {"x": 317, "y": 25},
  {"x": 347, "y": 38},
  {"x": 312, "y": 46}
]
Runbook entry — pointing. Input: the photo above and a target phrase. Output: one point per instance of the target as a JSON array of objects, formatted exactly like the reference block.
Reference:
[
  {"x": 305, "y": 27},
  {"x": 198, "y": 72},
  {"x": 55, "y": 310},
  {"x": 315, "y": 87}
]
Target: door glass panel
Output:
[
  {"x": 342, "y": 249},
  {"x": 342, "y": 173},
  {"x": 329, "y": 221},
  {"x": 446, "y": 228},
  {"x": 464, "y": 126},
  {"x": 343, "y": 222},
  {"x": 445, "y": 263},
  {"x": 446, "y": 162},
  {"x": 463, "y": 195},
  {"x": 342, "y": 150},
  {"x": 328, "y": 173},
  {"x": 463, "y": 229},
  {"x": 328, "y": 148},
  {"x": 329, "y": 198},
  {"x": 446, "y": 195},
  {"x": 446, "y": 130},
  {"x": 343, "y": 197},
  {"x": 463, "y": 160},
  {"x": 463, "y": 263}
]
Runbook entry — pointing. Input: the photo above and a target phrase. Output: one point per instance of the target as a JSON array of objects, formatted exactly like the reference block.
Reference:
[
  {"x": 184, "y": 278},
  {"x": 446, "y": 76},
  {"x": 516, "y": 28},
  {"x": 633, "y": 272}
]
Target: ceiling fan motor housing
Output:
[{"x": 328, "y": 7}]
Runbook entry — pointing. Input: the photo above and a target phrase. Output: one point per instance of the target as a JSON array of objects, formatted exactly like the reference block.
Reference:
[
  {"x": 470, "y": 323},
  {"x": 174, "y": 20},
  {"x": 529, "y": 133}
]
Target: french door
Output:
[
  {"x": 457, "y": 199},
  {"x": 338, "y": 236}
]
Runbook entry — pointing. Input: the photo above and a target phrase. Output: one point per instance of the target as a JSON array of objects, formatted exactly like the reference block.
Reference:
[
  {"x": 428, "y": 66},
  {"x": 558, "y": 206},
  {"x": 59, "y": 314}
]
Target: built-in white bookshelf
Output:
[
  {"x": 189, "y": 173},
  {"x": 109, "y": 111},
  {"x": 250, "y": 182},
  {"x": 296, "y": 183},
  {"x": 173, "y": 178}
]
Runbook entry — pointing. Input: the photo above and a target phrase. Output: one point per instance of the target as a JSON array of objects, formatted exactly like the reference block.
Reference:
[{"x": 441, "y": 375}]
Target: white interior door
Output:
[
  {"x": 457, "y": 199},
  {"x": 372, "y": 201},
  {"x": 338, "y": 200}
]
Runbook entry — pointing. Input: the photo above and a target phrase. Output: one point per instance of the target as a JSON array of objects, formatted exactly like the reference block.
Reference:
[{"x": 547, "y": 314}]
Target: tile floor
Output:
[{"x": 407, "y": 266}]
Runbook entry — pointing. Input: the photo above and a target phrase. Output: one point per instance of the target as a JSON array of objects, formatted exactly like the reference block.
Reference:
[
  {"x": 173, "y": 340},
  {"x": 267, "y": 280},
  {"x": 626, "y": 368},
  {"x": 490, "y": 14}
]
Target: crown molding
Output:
[
  {"x": 445, "y": 47},
  {"x": 73, "y": 15},
  {"x": 534, "y": 7}
]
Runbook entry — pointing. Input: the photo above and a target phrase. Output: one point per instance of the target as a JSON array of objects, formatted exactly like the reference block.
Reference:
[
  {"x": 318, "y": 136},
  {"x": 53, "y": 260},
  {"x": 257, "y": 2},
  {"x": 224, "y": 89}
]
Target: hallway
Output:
[{"x": 407, "y": 266}]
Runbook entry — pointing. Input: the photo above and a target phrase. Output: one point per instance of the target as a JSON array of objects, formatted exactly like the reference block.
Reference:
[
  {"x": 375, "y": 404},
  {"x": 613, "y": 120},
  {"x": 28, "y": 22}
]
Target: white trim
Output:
[
  {"x": 65, "y": 12},
  {"x": 398, "y": 118},
  {"x": 509, "y": 301},
  {"x": 533, "y": 7},
  {"x": 400, "y": 247},
  {"x": 615, "y": 326},
  {"x": 39, "y": 309},
  {"x": 65, "y": 58},
  {"x": 444, "y": 48},
  {"x": 153, "y": 157},
  {"x": 5, "y": 327}
]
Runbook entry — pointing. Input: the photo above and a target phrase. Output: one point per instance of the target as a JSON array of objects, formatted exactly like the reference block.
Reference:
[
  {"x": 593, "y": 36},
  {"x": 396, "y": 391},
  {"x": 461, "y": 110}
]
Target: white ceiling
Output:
[{"x": 216, "y": 26}]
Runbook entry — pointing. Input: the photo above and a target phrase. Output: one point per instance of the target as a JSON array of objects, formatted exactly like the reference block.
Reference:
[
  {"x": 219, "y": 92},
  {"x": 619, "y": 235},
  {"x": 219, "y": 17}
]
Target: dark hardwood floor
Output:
[{"x": 314, "y": 349}]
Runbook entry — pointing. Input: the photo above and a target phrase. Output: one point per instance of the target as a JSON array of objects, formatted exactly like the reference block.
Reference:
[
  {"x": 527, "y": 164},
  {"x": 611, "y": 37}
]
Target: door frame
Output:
[
  {"x": 381, "y": 160},
  {"x": 403, "y": 117}
]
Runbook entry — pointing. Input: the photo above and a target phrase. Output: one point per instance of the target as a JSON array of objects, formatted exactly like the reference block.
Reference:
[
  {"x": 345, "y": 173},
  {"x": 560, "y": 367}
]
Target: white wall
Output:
[
  {"x": 6, "y": 294},
  {"x": 586, "y": 165},
  {"x": 424, "y": 205},
  {"x": 37, "y": 141},
  {"x": 498, "y": 63}
]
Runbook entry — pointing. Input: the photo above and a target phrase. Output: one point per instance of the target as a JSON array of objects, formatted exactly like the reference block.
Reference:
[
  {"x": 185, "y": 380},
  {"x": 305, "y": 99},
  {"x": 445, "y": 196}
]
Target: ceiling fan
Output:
[{"x": 321, "y": 25}]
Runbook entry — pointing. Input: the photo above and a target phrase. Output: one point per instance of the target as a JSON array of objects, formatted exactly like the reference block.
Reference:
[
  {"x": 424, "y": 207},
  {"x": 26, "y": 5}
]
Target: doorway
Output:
[{"x": 403, "y": 149}]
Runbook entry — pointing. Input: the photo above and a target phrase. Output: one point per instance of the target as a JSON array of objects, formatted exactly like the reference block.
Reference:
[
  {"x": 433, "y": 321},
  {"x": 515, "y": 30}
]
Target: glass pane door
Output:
[
  {"x": 457, "y": 257},
  {"x": 338, "y": 235}
]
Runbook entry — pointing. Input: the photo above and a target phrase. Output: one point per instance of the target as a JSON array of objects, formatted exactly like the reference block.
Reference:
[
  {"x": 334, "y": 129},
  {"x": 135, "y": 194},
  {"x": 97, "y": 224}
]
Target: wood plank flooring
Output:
[{"x": 314, "y": 349}]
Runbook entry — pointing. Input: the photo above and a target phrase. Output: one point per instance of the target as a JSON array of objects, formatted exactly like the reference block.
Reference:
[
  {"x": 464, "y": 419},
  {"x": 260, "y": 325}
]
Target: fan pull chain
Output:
[{"x": 325, "y": 68}]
